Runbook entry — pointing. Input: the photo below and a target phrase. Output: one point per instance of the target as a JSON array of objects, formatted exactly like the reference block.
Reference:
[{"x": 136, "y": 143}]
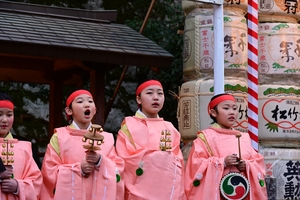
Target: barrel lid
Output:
[
  {"x": 276, "y": 18},
  {"x": 234, "y": 11},
  {"x": 228, "y": 11}
]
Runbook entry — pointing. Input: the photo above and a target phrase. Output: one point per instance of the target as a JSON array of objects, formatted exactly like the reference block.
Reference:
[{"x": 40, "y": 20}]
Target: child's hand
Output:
[
  {"x": 241, "y": 165},
  {"x": 7, "y": 173},
  {"x": 87, "y": 167},
  {"x": 9, "y": 185},
  {"x": 92, "y": 157},
  {"x": 231, "y": 160}
]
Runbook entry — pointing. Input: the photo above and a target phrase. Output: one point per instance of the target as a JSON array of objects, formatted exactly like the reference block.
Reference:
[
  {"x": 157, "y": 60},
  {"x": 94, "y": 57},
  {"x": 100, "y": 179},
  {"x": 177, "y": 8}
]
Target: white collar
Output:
[
  {"x": 141, "y": 113},
  {"x": 77, "y": 127}
]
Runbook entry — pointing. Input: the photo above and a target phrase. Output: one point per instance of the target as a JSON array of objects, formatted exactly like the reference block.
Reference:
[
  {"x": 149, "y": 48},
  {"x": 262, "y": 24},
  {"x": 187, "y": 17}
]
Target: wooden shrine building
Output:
[{"x": 62, "y": 46}]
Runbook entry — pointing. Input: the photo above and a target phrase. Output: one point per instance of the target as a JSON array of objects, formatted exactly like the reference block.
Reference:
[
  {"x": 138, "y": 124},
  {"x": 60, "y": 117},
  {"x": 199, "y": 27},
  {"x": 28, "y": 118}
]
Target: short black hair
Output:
[{"x": 4, "y": 96}]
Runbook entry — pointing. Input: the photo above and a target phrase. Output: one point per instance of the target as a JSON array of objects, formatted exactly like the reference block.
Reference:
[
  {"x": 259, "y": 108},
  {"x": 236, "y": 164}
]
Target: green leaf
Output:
[{"x": 272, "y": 127}]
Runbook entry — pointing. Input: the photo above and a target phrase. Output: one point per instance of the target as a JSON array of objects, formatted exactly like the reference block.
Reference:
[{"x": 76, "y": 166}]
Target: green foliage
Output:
[
  {"x": 162, "y": 25},
  {"x": 26, "y": 124},
  {"x": 164, "y": 21}
]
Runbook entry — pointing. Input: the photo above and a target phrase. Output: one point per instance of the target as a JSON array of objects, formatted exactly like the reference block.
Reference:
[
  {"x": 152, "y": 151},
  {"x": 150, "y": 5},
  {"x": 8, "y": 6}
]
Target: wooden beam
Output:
[
  {"x": 64, "y": 64},
  {"x": 16, "y": 62},
  {"x": 39, "y": 63},
  {"x": 22, "y": 76},
  {"x": 99, "y": 66}
]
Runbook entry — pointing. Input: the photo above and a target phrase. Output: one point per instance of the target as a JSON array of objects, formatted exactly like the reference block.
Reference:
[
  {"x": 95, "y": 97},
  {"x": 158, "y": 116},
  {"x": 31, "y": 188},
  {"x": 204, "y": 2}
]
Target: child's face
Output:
[
  {"x": 151, "y": 100},
  {"x": 227, "y": 114},
  {"x": 6, "y": 121},
  {"x": 83, "y": 109}
]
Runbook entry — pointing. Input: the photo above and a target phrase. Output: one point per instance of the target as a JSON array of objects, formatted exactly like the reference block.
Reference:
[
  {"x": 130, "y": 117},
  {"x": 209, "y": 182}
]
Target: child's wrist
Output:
[{"x": 99, "y": 161}]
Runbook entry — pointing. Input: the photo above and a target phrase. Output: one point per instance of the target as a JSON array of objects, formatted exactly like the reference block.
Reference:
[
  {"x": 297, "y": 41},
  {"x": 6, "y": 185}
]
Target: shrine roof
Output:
[{"x": 64, "y": 33}]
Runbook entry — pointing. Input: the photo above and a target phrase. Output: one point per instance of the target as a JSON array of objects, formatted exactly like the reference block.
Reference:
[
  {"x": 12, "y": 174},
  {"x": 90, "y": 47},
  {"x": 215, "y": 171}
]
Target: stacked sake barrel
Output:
[
  {"x": 198, "y": 51},
  {"x": 193, "y": 104},
  {"x": 188, "y": 5},
  {"x": 279, "y": 93},
  {"x": 278, "y": 89},
  {"x": 279, "y": 72},
  {"x": 198, "y": 66}
]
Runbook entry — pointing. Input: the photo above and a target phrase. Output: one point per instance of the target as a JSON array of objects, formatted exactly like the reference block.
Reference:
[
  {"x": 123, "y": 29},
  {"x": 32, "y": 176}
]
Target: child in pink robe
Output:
[
  {"x": 22, "y": 179},
  {"x": 215, "y": 153},
  {"x": 150, "y": 147},
  {"x": 71, "y": 172}
]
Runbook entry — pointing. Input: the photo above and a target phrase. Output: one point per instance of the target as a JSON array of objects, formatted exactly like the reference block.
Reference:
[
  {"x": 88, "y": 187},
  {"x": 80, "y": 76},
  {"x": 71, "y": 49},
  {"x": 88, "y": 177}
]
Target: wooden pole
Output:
[{"x": 239, "y": 145}]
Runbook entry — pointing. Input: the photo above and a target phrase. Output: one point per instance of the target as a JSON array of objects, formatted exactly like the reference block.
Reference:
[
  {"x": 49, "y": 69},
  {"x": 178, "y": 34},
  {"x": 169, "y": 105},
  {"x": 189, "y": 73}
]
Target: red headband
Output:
[
  {"x": 6, "y": 104},
  {"x": 75, "y": 94},
  {"x": 220, "y": 99},
  {"x": 147, "y": 84}
]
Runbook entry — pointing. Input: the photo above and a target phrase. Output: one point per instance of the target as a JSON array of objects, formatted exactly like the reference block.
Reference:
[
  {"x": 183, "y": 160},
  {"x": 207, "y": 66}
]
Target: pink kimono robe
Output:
[
  {"x": 150, "y": 173},
  {"x": 209, "y": 169},
  {"x": 63, "y": 178},
  {"x": 25, "y": 171}
]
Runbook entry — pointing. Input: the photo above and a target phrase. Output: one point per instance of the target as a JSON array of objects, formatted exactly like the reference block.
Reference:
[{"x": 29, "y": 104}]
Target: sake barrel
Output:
[
  {"x": 198, "y": 62},
  {"x": 190, "y": 72},
  {"x": 278, "y": 48},
  {"x": 279, "y": 112},
  {"x": 279, "y": 8},
  {"x": 276, "y": 19},
  {"x": 192, "y": 113},
  {"x": 188, "y": 5},
  {"x": 283, "y": 164}
]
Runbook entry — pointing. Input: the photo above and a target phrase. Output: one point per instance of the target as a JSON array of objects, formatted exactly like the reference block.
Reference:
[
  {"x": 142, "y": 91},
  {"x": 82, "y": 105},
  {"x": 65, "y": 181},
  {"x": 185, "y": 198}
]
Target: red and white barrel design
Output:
[{"x": 279, "y": 113}]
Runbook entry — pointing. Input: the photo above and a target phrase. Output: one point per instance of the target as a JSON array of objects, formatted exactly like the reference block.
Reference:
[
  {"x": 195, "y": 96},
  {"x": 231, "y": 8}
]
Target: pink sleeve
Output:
[
  {"x": 115, "y": 161},
  {"x": 31, "y": 181},
  {"x": 131, "y": 157},
  {"x": 50, "y": 167},
  {"x": 255, "y": 170},
  {"x": 126, "y": 150},
  {"x": 203, "y": 172}
]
